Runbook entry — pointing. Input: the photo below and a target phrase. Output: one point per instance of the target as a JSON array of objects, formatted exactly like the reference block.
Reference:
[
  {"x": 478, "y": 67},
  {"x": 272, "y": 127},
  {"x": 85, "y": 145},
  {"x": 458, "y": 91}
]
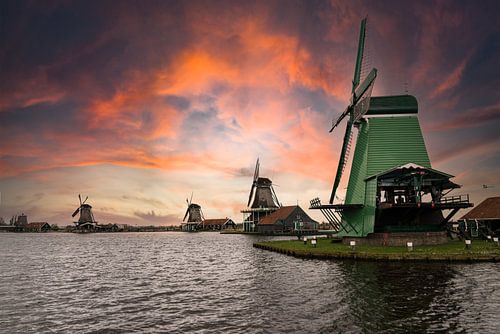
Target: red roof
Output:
[
  {"x": 487, "y": 209},
  {"x": 280, "y": 214},
  {"x": 220, "y": 221}
]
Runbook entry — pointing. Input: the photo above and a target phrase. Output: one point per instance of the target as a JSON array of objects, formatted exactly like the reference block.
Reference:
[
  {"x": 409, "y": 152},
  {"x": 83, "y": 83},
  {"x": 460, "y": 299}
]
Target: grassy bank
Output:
[{"x": 325, "y": 249}]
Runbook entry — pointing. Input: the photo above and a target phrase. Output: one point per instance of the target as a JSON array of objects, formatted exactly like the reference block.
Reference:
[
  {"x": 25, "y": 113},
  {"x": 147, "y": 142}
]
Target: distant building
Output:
[
  {"x": 20, "y": 221},
  {"x": 107, "y": 227},
  {"x": 486, "y": 214},
  {"x": 217, "y": 224},
  {"x": 37, "y": 227},
  {"x": 285, "y": 220}
]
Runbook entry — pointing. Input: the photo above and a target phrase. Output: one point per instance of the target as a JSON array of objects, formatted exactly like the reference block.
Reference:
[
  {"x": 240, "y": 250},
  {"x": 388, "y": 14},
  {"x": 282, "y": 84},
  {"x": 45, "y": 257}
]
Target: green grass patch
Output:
[{"x": 451, "y": 251}]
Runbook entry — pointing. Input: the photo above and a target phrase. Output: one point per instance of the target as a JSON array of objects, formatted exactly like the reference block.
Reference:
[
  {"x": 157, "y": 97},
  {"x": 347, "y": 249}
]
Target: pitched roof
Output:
[
  {"x": 410, "y": 167},
  {"x": 280, "y": 214},
  {"x": 487, "y": 209},
  {"x": 36, "y": 224},
  {"x": 220, "y": 221}
]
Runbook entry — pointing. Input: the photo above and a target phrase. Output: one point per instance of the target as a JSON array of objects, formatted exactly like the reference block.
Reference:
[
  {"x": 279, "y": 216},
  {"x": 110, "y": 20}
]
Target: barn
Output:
[
  {"x": 217, "y": 224},
  {"x": 486, "y": 215},
  {"x": 287, "y": 219},
  {"x": 37, "y": 227}
]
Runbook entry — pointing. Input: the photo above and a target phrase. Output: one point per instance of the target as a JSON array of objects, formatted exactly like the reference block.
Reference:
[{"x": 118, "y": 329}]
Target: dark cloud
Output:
[
  {"x": 470, "y": 118},
  {"x": 153, "y": 218},
  {"x": 178, "y": 102},
  {"x": 144, "y": 200}
]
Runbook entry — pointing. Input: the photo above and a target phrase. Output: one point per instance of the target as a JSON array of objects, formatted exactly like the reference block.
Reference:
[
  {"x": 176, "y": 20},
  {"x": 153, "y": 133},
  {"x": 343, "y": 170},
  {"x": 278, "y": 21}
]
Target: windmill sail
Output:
[
  {"x": 360, "y": 103},
  {"x": 342, "y": 159}
]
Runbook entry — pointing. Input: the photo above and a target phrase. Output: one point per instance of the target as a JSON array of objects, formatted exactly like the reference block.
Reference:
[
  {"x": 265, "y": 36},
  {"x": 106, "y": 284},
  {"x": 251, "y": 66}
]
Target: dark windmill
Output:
[
  {"x": 193, "y": 216},
  {"x": 262, "y": 200},
  {"x": 392, "y": 187},
  {"x": 86, "y": 222}
]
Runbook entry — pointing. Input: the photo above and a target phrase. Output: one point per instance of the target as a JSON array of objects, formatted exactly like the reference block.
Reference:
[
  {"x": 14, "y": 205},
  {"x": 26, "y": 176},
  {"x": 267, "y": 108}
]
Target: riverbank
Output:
[{"x": 454, "y": 251}]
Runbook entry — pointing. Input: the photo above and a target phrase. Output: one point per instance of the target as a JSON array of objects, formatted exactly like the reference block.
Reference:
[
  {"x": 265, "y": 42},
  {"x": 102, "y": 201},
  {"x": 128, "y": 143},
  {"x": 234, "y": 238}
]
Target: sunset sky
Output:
[{"x": 136, "y": 104}]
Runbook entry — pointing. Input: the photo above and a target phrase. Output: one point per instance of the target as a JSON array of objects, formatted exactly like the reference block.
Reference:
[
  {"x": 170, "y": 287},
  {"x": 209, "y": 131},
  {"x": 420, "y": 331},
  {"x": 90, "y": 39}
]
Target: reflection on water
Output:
[{"x": 212, "y": 283}]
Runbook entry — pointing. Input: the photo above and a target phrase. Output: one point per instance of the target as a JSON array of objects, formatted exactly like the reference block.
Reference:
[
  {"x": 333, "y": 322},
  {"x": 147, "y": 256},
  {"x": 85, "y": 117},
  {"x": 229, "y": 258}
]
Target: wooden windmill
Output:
[
  {"x": 86, "y": 221},
  {"x": 262, "y": 200},
  {"x": 193, "y": 216},
  {"x": 392, "y": 186},
  {"x": 262, "y": 193}
]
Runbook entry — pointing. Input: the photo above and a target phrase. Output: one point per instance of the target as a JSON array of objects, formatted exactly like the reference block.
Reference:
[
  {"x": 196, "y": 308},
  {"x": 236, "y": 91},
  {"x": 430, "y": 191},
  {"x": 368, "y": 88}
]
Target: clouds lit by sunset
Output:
[{"x": 138, "y": 104}]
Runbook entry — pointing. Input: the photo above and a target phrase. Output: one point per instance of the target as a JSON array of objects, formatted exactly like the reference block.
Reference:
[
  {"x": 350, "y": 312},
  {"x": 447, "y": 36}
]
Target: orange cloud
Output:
[{"x": 451, "y": 81}]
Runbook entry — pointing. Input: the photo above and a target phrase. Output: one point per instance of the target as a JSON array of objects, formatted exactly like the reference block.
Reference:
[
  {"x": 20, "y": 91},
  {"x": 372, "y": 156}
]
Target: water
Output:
[{"x": 212, "y": 283}]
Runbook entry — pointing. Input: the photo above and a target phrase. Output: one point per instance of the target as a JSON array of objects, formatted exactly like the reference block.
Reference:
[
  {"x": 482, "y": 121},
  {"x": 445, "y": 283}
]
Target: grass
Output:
[{"x": 451, "y": 251}]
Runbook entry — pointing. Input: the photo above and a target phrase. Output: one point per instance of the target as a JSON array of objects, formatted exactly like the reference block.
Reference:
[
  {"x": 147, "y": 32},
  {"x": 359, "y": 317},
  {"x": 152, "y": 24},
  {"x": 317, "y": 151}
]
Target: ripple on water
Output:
[{"x": 212, "y": 283}]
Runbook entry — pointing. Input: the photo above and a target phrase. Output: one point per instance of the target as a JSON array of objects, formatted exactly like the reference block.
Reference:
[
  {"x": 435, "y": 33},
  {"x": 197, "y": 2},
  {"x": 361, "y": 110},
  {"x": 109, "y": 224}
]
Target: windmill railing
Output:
[{"x": 454, "y": 199}]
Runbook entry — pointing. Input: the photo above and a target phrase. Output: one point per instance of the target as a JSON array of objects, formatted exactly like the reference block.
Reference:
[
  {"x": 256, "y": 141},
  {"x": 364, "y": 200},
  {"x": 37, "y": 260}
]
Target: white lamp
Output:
[{"x": 409, "y": 244}]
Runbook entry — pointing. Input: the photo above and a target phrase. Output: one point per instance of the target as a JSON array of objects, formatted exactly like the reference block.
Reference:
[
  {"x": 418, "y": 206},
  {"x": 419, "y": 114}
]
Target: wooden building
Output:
[
  {"x": 37, "y": 227},
  {"x": 287, "y": 219},
  {"x": 107, "y": 227},
  {"x": 484, "y": 216},
  {"x": 217, "y": 224}
]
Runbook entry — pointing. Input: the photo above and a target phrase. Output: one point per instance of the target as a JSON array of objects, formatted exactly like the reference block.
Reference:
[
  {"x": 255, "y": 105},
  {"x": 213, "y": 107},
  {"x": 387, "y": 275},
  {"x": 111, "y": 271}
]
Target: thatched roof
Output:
[{"x": 486, "y": 210}]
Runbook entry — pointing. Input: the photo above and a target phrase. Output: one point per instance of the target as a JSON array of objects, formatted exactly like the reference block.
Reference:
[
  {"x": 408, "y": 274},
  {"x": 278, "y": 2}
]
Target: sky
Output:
[{"x": 138, "y": 104}]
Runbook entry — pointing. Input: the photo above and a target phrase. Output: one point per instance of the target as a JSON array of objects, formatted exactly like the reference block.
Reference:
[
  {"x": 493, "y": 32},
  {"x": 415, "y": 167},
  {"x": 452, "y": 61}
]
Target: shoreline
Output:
[{"x": 453, "y": 251}]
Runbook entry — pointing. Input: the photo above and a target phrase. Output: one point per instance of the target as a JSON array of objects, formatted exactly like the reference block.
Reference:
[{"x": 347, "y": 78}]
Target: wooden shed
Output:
[{"x": 487, "y": 214}]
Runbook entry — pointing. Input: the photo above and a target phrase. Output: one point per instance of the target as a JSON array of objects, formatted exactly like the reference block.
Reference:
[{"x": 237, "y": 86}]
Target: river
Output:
[{"x": 177, "y": 282}]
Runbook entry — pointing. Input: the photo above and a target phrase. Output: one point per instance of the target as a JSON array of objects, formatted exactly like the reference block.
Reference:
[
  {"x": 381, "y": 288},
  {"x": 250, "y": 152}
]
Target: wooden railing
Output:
[{"x": 454, "y": 199}]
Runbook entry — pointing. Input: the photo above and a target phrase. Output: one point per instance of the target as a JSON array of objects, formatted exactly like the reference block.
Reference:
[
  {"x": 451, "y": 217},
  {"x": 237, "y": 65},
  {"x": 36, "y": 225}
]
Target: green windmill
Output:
[{"x": 391, "y": 187}]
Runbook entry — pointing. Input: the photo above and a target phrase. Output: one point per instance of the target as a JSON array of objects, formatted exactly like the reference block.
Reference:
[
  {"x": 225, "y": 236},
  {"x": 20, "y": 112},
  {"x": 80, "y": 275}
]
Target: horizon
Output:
[{"x": 139, "y": 105}]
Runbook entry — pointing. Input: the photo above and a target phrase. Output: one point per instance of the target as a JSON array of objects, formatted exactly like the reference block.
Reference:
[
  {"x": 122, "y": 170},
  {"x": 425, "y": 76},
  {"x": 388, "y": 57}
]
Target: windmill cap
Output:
[
  {"x": 395, "y": 104},
  {"x": 264, "y": 180}
]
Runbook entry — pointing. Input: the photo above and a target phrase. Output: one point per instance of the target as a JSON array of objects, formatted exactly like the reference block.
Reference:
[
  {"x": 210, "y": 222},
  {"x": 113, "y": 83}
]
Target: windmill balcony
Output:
[{"x": 455, "y": 199}]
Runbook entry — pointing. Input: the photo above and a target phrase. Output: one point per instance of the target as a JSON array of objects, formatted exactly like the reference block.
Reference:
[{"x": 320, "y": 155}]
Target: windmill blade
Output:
[
  {"x": 191, "y": 200},
  {"x": 341, "y": 117},
  {"x": 256, "y": 172},
  {"x": 187, "y": 212},
  {"x": 86, "y": 198},
  {"x": 365, "y": 86},
  {"x": 275, "y": 197},
  {"x": 342, "y": 160},
  {"x": 251, "y": 194},
  {"x": 359, "y": 58},
  {"x": 80, "y": 199},
  {"x": 76, "y": 212}
]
